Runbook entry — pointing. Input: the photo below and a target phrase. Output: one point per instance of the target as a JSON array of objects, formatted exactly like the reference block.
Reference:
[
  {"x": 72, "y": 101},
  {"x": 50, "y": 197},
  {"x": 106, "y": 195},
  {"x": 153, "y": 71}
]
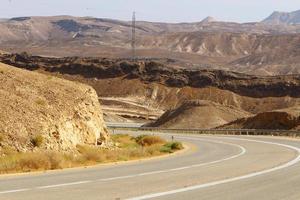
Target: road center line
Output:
[
  {"x": 63, "y": 184},
  {"x": 215, "y": 183}
]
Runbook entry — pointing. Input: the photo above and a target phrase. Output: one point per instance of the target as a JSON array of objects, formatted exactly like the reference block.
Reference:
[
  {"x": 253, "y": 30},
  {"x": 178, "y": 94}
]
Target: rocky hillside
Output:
[
  {"x": 42, "y": 111},
  {"x": 199, "y": 115},
  {"x": 285, "y": 119}
]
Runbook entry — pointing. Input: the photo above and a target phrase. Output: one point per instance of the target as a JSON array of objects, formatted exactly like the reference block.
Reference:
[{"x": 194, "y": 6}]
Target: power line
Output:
[{"x": 133, "y": 41}]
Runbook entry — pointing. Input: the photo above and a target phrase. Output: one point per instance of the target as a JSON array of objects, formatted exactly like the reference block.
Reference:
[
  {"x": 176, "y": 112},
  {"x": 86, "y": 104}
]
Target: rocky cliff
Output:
[{"x": 47, "y": 112}]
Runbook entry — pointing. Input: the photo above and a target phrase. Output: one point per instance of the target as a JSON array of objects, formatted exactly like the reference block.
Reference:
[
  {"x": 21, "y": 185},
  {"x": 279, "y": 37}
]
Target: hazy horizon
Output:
[{"x": 156, "y": 10}]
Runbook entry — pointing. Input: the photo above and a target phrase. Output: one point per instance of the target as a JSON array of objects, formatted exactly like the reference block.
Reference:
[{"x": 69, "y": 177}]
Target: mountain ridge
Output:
[
  {"x": 251, "y": 48},
  {"x": 288, "y": 18}
]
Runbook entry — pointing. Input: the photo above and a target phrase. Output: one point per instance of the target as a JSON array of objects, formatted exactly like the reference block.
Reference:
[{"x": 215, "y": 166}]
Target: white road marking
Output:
[
  {"x": 14, "y": 191},
  {"x": 63, "y": 184},
  {"x": 215, "y": 183},
  {"x": 243, "y": 151}
]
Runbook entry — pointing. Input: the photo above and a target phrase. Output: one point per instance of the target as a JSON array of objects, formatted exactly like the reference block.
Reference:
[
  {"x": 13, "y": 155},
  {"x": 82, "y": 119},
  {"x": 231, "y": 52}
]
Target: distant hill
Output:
[
  {"x": 283, "y": 18},
  {"x": 198, "y": 114},
  {"x": 209, "y": 19}
]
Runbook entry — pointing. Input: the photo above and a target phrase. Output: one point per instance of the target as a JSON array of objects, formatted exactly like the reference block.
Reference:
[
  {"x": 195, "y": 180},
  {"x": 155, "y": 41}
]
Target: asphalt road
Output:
[{"x": 216, "y": 167}]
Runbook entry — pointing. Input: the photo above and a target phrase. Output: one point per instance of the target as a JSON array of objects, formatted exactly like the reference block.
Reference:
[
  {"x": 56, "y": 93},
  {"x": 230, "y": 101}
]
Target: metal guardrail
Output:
[
  {"x": 128, "y": 125},
  {"x": 214, "y": 131}
]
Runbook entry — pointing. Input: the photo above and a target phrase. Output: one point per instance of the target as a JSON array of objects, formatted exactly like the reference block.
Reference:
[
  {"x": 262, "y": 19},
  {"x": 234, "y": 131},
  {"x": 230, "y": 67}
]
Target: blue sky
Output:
[{"x": 150, "y": 10}]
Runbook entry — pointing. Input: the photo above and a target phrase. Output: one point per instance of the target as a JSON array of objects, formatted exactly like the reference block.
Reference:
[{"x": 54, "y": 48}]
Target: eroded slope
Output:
[
  {"x": 58, "y": 113},
  {"x": 199, "y": 115}
]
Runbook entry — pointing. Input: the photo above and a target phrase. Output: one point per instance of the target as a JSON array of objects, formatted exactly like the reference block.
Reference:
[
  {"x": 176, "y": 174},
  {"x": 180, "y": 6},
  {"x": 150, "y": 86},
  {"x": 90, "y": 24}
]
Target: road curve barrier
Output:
[{"x": 267, "y": 132}]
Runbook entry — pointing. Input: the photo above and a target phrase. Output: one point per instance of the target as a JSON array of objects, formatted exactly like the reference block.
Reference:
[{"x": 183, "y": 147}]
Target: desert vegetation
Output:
[{"x": 125, "y": 148}]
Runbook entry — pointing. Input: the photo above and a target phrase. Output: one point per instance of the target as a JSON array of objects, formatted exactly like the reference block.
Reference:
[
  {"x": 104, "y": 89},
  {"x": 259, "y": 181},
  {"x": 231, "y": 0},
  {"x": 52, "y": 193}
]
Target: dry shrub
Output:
[
  {"x": 42, "y": 160},
  {"x": 57, "y": 161},
  {"x": 37, "y": 140},
  {"x": 124, "y": 141},
  {"x": 90, "y": 153},
  {"x": 34, "y": 161},
  {"x": 176, "y": 145},
  {"x": 113, "y": 155},
  {"x": 153, "y": 150},
  {"x": 136, "y": 153},
  {"x": 148, "y": 140},
  {"x": 7, "y": 164},
  {"x": 121, "y": 138},
  {"x": 170, "y": 147}
]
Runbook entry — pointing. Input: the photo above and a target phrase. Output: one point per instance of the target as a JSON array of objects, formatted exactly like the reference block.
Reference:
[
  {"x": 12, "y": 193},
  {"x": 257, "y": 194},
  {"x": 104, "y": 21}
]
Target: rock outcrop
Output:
[
  {"x": 47, "y": 112},
  {"x": 198, "y": 114},
  {"x": 285, "y": 119}
]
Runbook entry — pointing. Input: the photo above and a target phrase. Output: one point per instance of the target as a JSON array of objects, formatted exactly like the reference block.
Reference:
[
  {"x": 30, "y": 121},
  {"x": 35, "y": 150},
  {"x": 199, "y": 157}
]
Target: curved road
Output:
[{"x": 216, "y": 167}]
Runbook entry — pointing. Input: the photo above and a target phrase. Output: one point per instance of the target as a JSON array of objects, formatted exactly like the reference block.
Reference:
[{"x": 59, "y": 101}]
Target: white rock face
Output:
[{"x": 62, "y": 113}]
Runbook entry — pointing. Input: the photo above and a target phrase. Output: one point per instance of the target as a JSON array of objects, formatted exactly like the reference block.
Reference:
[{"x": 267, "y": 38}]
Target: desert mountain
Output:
[
  {"x": 286, "y": 119},
  {"x": 253, "y": 48},
  {"x": 58, "y": 113},
  {"x": 287, "y": 18},
  {"x": 198, "y": 114},
  {"x": 37, "y": 29}
]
